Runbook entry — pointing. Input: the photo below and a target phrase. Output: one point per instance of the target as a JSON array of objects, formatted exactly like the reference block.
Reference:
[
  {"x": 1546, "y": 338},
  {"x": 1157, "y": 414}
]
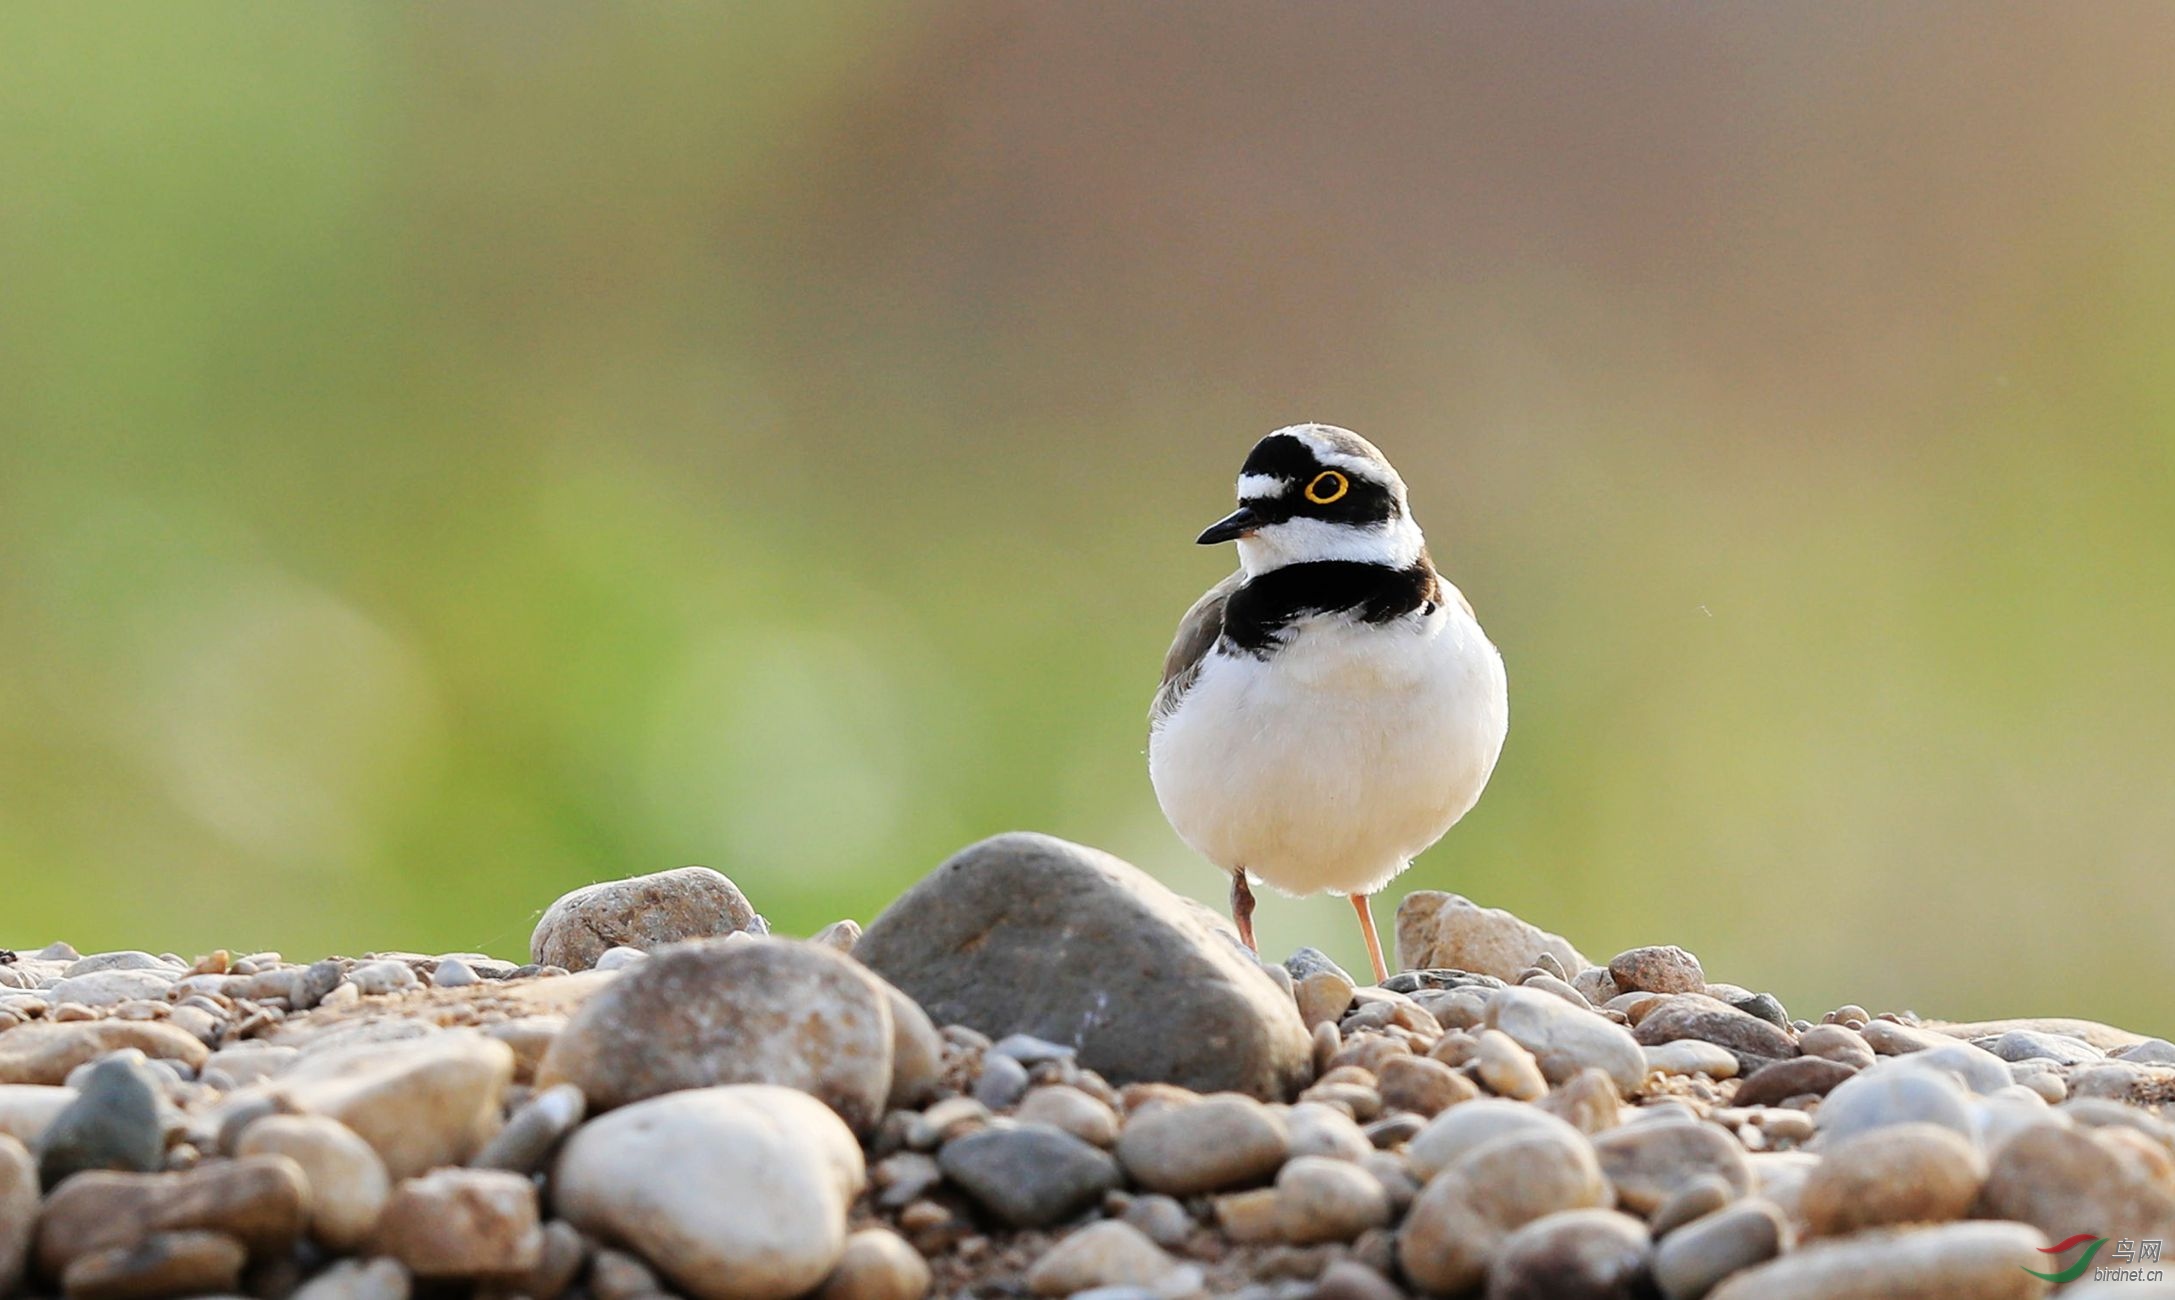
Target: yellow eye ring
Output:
[{"x": 1328, "y": 486}]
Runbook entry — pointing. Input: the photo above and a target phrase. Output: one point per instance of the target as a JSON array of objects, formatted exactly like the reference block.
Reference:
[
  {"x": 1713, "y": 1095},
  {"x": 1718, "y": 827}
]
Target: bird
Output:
[{"x": 1333, "y": 708}]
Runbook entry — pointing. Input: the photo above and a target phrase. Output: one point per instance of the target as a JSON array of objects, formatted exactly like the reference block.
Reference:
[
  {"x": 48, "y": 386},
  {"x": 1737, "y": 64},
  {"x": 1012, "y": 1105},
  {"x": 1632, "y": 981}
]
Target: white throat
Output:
[{"x": 1396, "y": 543}]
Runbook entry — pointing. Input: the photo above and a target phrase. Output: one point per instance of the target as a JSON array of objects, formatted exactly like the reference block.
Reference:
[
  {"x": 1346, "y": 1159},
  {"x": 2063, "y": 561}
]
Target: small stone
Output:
[
  {"x": 2051, "y": 1175},
  {"x": 27, "y": 1110},
  {"x": 1763, "y": 1006},
  {"x": 1162, "y": 1218},
  {"x": 1587, "y": 1101},
  {"x": 1884, "y": 1096},
  {"x": 1003, "y": 1082},
  {"x": 1565, "y": 1039},
  {"x": 1219, "y": 1142},
  {"x": 1323, "y": 1199},
  {"x": 1836, "y": 1043},
  {"x": 1072, "y": 1110},
  {"x": 1687, "y": 1056},
  {"x": 1323, "y": 1130},
  {"x": 1588, "y": 1254},
  {"x": 1463, "y": 1215},
  {"x": 43, "y": 1052},
  {"x": 619, "y": 958},
  {"x": 1029, "y": 1175},
  {"x": 1696, "y": 1198},
  {"x": 258, "y": 1200},
  {"x": 1752, "y": 1040},
  {"x": 1596, "y": 985},
  {"x": 1692, "y": 1261},
  {"x": 534, "y": 1131},
  {"x": 767, "y": 1011},
  {"x": 356, "y": 1279},
  {"x": 877, "y": 1265},
  {"x": 617, "y": 1275},
  {"x": 735, "y": 1193},
  {"x": 378, "y": 978},
  {"x": 1978, "y": 1261},
  {"x": 643, "y": 912},
  {"x": 453, "y": 973},
  {"x": 1423, "y": 1086},
  {"x": 1771, "y": 1085},
  {"x": 841, "y": 935},
  {"x": 917, "y": 1052},
  {"x": 1251, "y": 1218},
  {"x": 1323, "y": 996},
  {"x": 1904, "y": 1173},
  {"x": 1649, "y": 1161},
  {"x": 348, "y": 1186},
  {"x": 462, "y": 1223},
  {"x": 112, "y": 1124},
  {"x": 1664, "y": 969},
  {"x": 18, "y": 1210},
  {"x": 1168, "y": 996},
  {"x": 111, "y": 987},
  {"x": 901, "y": 1178},
  {"x": 1348, "y": 1279},
  {"x": 1445, "y": 931},
  {"x": 419, "y": 1103},
  {"x": 1459, "y": 1131},
  {"x": 2153, "y": 1051},
  {"x": 1031, "y": 1051},
  {"x": 1507, "y": 1069},
  {"x": 1110, "y": 1253},
  {"x": 1976, "y": 1068},
  {"x": 162, "y": 1264}
]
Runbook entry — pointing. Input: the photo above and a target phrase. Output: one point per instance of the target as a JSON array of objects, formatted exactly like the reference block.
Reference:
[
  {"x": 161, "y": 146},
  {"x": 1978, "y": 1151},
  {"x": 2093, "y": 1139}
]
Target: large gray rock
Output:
[
  {"x": 776, "y": 1011},
  {"x": 1030, "y": 934},
  {"x": 640, "y": 912}
]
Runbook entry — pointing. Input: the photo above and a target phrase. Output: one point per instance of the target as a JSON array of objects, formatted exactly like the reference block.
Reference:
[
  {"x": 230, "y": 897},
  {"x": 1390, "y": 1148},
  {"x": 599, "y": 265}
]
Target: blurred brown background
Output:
[{"x": 451, "y": 453}]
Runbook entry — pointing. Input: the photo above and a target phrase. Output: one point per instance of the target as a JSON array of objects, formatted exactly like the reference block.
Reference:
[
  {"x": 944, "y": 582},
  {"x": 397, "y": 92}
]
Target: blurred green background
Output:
[{"x": 451, "y": 453}]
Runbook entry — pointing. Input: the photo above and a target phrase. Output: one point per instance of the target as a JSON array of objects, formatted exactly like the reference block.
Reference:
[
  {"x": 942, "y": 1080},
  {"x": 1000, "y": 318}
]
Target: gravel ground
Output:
[{"x": 1039, "y": 1072}]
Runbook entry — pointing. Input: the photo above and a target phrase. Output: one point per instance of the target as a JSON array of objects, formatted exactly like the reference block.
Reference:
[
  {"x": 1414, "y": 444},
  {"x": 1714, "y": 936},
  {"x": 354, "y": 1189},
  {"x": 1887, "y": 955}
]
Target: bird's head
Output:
[{"x": 1316, "y": 492}]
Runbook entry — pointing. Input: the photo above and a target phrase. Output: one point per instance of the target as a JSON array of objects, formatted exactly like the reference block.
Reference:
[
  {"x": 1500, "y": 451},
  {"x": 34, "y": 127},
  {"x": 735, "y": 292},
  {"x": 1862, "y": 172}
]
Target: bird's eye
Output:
[{"x": 1327, "y": 486}]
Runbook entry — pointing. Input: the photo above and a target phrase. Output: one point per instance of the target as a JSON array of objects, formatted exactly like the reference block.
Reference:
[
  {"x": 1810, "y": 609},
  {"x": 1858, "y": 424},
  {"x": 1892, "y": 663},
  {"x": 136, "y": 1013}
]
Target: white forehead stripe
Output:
[{"x": 1255, "y": 486}]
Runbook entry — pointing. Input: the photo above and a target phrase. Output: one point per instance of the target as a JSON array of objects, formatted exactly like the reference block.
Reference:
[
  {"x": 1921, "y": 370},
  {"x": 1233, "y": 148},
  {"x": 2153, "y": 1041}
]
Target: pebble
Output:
[
  {"x": 1698, "y": 1197},
  {"x": 1752, "y": 1040},
  {"x": 357, "y": 1279},
  {"x": 18, "y": 1210},
  {"x": 1463, "y": 1214},
  {"x": 1565, "y": 1039},
  {"x": 43, "y": 1052},
  {"x": 378, "y": 978},
  {"x": 877, "y": 1265},
  {"x": 1587, "y": 1254},
  {"x": 1168, "y": 996},
  {"x": 1109, "y": 1253},
  {"x": 619, "y": 958},
  {"x": 1836, "y": 1043},
  {"x": 1162, "y": 1218},
  {"x": 1322, "y": 1130},
  {"x": 259, "y": 1200},
  {"x": 2153, "y": 1051},
  {"x": 161, "y": 1264},
  {"x": 348, "y": 1185},
  {"x": 1662, "y": 969},
  {"x": 111, "y": 987},
  {"x": 1324, "y": 1199},
  {"x": 1773, "y": 1084},
  {"x": 453, "y": 973},
  {"x": 1885, "y": 1095},
  {"x": 2063, "y": 1181},
  {"x": 419, "y": 1103},
  {"x": 1692, "y": 1056},
  {"x": 1457, "y": 1132},
  {"x": 736, "y": 1193},
  {"x": 1693, "y": 1260},
  {"x": 902, "y": 1177},
  {"x": 1029, "y": 1175},
  {"x": 1219, "y": 1142},
  {"x": 1324, "y": 995},
  {"x": 841, "y": 934},
  {"x": 27, "y": 1110},
  {"x": 462, "y": 1224},
  {"x": 1421, "y": 1085},
  {"x": 1003, "y": 1082},
  {"x": 1436, "y": 930},
  {"x": 757, "y": 1011},
  {"x": 917, "y": 1052},
  {"x": 1505, "y": 1068},
  {"x": 1976, "y": 1068},
  {"x": 534, "y": 1131},
  {"x": 1251, "y": 1218},
  {"x": 1982, "y": 1261},
  {"x": 113, "y": 1123},
  {"x": 1903, "y": 1173},
  {"x": 1893, "y": 1038},
  {"x": 125, "y": 960},
  {"x": 1587, "y": 1101},
  {"x": 1072, "y": 1110},
  {"x": 1650, "y": 1161},
  {"x": 642, "y": 912}
]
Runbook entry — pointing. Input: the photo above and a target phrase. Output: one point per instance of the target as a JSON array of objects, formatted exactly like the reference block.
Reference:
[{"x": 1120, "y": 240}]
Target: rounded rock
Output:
[
  {"x": 1903, "y": 1173},
  {"x": 1064, "y": 1107},
  {"x": 1029, "y": 1175},
  {"x": 348, "y": 1183},
  {"x": 1693, "y": 1260},
  {"x": 736, "y": 1192},
  {"x": 1660, "y": 969},
  {"x": 1954, "y": 1261},
  {"x": 877, "y": 1265},
  {"x": 1588, "y": 1254},
  {"x": 1565, "y": 1039},
  {"x": 1461, "y": 1217},
  {"x": 1222, "y": 1141},
  {"x": 113, "y": 1123},
  {"x": 18, "y": 1210},
  {"x": 1321, "y": 1199},
  {"x": 1885, "y": 1096},
  {"x": 642, "y": 912},
  {"x": 1106, "y": 1254},
  {"x": 1651, "y": 1160},
  {"x": 756, "y": 1011}
]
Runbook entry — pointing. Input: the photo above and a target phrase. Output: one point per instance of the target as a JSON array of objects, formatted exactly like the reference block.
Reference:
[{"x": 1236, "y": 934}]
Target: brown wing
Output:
[{"x": 1197, "y": 633}]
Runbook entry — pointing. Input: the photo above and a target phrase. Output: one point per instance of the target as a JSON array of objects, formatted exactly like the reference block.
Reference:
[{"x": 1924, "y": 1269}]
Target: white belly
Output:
[{"x": 1331, "y": 764}]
